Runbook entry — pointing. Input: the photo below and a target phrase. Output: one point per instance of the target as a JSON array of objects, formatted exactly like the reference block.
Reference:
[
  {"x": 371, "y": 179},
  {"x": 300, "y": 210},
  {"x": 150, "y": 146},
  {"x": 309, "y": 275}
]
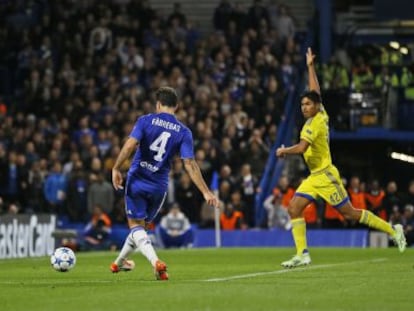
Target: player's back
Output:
[{"x": 161, "y": 136}]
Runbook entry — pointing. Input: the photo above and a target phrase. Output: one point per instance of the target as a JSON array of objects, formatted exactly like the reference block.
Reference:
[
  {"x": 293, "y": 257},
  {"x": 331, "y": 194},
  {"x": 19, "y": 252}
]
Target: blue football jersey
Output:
[{"x": 161, "y": 136}]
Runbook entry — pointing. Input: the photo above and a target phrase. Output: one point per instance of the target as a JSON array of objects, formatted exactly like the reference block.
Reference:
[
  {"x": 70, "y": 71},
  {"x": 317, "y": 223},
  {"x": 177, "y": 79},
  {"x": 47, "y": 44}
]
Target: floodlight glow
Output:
[
  {"x": 395, "y": 45},
  {"x": 404, "y": 50},
  {"x": 402, "y": 157}
]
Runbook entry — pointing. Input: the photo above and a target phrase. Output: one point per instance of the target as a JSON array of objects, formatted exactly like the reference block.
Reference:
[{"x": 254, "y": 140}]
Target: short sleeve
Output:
[
  {"x": 309, "y": 131},
  {"x": 137, "y": 131},
  {"x": 186, "y": 148}
]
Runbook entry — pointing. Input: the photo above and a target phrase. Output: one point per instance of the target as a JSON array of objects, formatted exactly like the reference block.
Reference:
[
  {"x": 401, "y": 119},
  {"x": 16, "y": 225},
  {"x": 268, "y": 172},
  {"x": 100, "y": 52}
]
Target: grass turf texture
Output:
[{"x": 216, "y": 279}]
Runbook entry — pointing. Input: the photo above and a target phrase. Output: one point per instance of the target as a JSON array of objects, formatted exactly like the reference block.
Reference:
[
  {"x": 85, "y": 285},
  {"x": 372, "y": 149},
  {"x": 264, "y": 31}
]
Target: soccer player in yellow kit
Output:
[{"x": 324, "y": 180}]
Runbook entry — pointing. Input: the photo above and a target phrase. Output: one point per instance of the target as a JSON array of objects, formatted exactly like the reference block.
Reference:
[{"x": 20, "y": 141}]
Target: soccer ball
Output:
[{"x": 63, "y": 259}]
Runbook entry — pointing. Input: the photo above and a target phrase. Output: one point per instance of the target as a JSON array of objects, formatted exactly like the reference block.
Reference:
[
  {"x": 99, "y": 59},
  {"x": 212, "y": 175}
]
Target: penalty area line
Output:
[{"x": 312, "y": 267}]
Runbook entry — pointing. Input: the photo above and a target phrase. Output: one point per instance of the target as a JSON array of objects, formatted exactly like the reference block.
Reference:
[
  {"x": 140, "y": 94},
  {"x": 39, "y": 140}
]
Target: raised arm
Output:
[
  {"x": 193, "y": 170},
  {"x": 312, "y": 77}
]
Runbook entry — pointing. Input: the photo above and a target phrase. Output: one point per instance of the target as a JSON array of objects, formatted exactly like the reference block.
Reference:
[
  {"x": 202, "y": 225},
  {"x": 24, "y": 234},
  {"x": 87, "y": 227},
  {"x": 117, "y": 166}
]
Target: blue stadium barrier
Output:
[
  {"x": 256, "y": 237},
  {"x": 282, "y": 238}
]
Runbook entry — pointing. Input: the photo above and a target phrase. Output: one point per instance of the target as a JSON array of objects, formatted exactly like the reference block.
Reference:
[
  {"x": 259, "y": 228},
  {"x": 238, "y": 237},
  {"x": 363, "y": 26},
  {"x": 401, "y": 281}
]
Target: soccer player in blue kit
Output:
[{"x": 159, "y": 137}]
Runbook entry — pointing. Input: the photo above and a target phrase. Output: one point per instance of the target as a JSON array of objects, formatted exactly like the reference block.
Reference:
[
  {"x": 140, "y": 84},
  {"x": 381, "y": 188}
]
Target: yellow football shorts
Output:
[{"x": 325, "y": 184}]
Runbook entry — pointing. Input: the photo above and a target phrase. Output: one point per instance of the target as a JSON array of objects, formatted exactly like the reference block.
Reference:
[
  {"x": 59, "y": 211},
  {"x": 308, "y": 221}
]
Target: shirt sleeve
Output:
[
  {"x": 137, "y": 131},
  {"x": 186, "y": 148},
  {"x": 309, "y": 131}
]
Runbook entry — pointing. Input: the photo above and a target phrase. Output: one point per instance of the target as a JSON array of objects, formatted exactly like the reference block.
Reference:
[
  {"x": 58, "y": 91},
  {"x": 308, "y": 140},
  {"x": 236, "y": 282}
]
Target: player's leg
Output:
[
  {"x": 296, "y": 207},
  {"x": 138, "y": 206},
  {"x": 312, "y": 187},
  {"x": 331, "y": 189},
  {"x": 141, "y": 239},
  {"x": 155, "y": 202},
  {"x": 136, "y": 226},
  {"x": 368, "y": 218},
  {"x": 133, "y": 213},
  {"x": 122, "y": 263}
]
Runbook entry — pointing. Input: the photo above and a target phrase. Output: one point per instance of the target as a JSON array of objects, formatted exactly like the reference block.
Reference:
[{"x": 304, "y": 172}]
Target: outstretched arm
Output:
[
  {"x": 193, "y": 170},
  {"x": 312, "y": 77},
  {"x": 299, "y": 148},
  {"x": 128, "y": 147}
]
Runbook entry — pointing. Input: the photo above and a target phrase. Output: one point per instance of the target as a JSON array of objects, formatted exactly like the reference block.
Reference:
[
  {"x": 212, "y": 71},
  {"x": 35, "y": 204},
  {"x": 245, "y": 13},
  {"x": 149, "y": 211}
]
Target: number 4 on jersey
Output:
[{"x": 158, "y": 145}]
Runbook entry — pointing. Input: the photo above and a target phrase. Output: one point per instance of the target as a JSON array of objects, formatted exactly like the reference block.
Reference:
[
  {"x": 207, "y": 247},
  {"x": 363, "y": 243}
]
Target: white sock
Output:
[
  {"x": 143, "y": 243},
  {"x": 127, "y": 248}
]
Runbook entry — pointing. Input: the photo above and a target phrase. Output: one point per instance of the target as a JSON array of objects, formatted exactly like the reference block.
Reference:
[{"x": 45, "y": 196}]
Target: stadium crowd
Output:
[
  {"x": 77, "y": 74},
  {"x": 81, "y": 75}
]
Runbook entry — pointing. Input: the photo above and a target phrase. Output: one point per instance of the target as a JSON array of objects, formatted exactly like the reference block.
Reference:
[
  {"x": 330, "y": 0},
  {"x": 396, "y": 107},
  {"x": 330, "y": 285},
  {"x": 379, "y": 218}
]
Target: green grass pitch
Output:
[{"x": 216, "y": 279}]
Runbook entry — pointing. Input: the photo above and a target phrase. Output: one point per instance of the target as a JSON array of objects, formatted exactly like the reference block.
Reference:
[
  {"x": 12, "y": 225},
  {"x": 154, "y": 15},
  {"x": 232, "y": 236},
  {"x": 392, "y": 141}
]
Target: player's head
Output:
[
  {"x": 310, "y": 103},
  {"x": 166, "y": 97}
]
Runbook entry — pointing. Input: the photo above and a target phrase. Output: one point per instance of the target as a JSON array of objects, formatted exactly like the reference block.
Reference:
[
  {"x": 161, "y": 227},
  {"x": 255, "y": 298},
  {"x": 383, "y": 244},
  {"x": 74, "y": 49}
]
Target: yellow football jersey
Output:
[{"x": 316, "y": 132}]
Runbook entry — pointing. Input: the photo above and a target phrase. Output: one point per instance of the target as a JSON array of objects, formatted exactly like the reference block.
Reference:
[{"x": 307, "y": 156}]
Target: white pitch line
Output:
[{"x": 313, "y": 267}]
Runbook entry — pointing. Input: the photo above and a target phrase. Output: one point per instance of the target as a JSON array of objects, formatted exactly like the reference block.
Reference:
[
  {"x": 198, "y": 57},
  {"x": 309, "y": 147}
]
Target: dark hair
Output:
[
  {"x": 167, "y": 96},
  {"x": 313, "y": 96}
]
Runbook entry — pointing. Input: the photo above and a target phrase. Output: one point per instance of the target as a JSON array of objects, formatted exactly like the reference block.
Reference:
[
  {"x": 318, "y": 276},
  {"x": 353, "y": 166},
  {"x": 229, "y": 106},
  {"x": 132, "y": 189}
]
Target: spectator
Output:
[
  {"x": 392, "y": 199},
  {"x": 248, "y": 184},
  {"x": 374, "y": 198},
  {"x": 100, "y": 39},
  {"x": 311, "y": 214},
  {"x": 225, "y": 174},
  {"x": 362, "y": 76},
  {"x": 277, "y": 215},
  {"x": 10, "y": 177},
  {"x": 77, "y": 199},
  {"x": 221, "y": 15},
  {"x": 100, "y": 193},
  {"x": 175, "y": 229},
  {"x": 36, "y": 178},
  {"x": 409, "y": 197},
  {"x": 408, "y": 223},
  {"x": 55, "y": 188},
  {"x": 255, "y": 154},
  {"x": 395, "y": 215},
  {"x": 97, "y": 232},
  {"x": 357, "y": 196},
  {"x": 23, "y": 179},
  {"x": 273, "y": 11},
  {"x": 188, "y": 198},
  {"x": 257, "y": 13},
  {"x": 178, "y": 15},
  {"x": 68, "y": 166},
  {"x": 289, "y": 71},
  {"x": 285, "y": 25},
  {"x": 332, "y": 218},
  {"x": 130, "y": 56},
  {"x": 225, "y": 189},
  {"x": 13, "y": 209},
  {"x": 231, "y": 219},
  {"x": 239, "y": 205},
  {"x": 226, "y": 154},
  {"x": 286, "y": 190}
]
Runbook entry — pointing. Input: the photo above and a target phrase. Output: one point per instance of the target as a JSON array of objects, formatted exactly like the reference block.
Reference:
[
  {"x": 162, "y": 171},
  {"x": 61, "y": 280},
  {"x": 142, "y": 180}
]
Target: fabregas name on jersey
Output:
[{"x": 165, "y": 124}]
